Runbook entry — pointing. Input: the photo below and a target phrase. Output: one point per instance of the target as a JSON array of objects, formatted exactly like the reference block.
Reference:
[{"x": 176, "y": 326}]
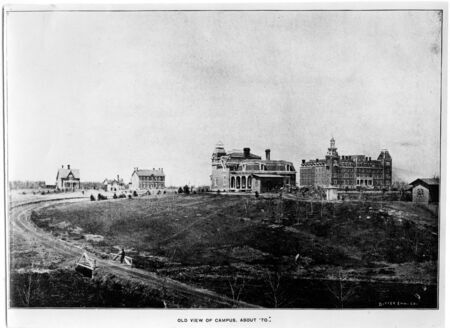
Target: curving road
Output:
[{"x": 22, "y": 227}]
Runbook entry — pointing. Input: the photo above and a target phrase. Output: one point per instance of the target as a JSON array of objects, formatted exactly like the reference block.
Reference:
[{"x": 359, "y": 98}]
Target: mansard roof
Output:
[{"x": 240, "y": 155}]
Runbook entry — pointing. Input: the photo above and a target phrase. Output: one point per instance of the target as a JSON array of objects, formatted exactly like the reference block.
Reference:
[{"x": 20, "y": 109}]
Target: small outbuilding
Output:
[
  {"x": 331, "y": 193},
  {"x": 425, "y": 191}
]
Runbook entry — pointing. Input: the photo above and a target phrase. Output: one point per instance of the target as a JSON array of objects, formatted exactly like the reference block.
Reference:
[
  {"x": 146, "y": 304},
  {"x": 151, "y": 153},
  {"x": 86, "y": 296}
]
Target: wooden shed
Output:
[{"x": 425, "y": 191}]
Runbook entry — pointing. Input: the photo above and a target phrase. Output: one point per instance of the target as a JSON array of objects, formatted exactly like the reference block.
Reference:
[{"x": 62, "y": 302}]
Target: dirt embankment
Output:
[
  {"x": 242, "y": 247},
  {"x": 40, "y": 255}
]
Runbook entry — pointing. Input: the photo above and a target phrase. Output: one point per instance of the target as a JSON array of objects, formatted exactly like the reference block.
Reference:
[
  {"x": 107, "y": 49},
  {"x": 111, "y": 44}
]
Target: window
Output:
[
  {"x": 249, "y": 182},
  {"x": 244, "y": 182}
]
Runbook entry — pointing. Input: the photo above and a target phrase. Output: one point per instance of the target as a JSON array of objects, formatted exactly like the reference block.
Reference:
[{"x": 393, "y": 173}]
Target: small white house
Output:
[
  {"x": 114, "y": 185},
  {"x": 68, "y": 179}
]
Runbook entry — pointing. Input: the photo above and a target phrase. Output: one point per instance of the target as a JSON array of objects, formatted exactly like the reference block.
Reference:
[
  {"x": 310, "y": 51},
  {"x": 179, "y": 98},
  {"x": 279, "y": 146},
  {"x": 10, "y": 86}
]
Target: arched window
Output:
[
  {"x": 249, "y": 182},
  {"x": 244, "y": 183},
  {"x": 238, "y": 182},
  {"x": 232, "y": 182}
]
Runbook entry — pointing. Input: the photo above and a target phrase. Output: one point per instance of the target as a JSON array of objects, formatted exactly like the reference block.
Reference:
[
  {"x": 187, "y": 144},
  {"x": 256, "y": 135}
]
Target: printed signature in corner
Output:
[{"x": 396, "y": 303}]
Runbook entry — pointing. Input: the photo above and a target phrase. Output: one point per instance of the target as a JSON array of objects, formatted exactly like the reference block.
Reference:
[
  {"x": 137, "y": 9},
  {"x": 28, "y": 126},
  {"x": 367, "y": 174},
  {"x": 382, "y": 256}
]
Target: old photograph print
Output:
[{"x": 223, "y": 158}]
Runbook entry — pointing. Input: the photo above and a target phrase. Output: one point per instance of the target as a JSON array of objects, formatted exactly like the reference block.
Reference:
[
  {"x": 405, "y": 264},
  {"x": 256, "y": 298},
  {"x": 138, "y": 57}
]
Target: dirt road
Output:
[{"x": 25, "y": 234}]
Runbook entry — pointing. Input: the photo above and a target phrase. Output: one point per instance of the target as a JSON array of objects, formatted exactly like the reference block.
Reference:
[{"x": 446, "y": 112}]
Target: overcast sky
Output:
[{"x": 109, "y": 91}]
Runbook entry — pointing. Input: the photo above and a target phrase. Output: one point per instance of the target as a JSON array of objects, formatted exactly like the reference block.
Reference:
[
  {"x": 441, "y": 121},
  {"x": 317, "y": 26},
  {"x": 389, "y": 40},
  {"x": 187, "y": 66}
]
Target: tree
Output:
[
  {"x": 340, "y": 289},
  {"x": 236, "y": 288},
  {"x": 275, "y": 294}
]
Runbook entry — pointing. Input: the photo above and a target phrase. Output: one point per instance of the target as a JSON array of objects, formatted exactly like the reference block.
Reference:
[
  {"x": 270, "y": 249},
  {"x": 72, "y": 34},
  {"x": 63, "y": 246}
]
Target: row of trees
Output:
[{"x": 14, "y": 185}]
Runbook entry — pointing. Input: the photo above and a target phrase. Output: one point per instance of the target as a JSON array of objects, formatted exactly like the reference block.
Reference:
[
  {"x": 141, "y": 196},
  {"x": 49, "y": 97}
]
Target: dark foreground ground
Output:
[{"x": 270, "y": 252}]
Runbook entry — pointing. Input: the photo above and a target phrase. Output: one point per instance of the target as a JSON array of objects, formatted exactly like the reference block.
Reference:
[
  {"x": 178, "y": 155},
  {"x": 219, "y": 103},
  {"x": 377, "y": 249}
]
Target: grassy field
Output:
[{"x": 266, "y": 251}]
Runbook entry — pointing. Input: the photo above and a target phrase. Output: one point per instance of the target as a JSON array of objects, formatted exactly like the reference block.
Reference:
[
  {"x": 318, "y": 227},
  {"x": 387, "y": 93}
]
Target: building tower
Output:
[
  {"x": 219, "y": 173},
  {"x": 386, "y": 162},
  {"x": 332, "y": 163},
  {"x": 218, "y": 151},
  {"x": 332, "y": 150}
]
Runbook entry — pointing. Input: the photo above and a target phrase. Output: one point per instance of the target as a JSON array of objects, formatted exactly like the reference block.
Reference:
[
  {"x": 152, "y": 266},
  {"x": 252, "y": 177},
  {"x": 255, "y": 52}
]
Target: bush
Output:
[
  {"x": 92, "y": 198},
  {"x": 180, "y": 190},
  {"x": 115, "y": 196},
  {"x": 135, "y": 194},
  {"x": 186, "y": 189},
  {"x": 101, "y": 197}
]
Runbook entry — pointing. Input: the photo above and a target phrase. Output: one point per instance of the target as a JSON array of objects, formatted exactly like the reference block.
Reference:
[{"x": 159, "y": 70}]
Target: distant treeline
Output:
[
  {"x": 26, "y": 185},
  {"x": 91, "y": 185},
  {"x": 14, "y": 185}
]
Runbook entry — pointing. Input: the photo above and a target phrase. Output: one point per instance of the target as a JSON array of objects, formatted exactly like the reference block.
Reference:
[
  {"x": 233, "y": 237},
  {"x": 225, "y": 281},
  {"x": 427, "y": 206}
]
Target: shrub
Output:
[
  {"x": 101, "y": 197},
  {"x": 92, "y": 198},
  {"x": 135, "y": 194},
  {"x": 186, "y": 189},
  {"x": 115, "y": 196}
]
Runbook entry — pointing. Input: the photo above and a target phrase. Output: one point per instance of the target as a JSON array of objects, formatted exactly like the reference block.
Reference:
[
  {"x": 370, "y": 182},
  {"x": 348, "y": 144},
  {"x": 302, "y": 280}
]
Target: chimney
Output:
[
  {"x": 246, "y": 152},
  {"x": 117, "y": 178},
  {"x": 303, "y": 161},
  {"x": 136, "y": 168},
  {"x": 62, "y": 166},
  {"x": 153, "y": 169},
  {"x": 317, "y": 160},
  {"x": 268, "y": 154},
  {"x": 68, "y": 166}
]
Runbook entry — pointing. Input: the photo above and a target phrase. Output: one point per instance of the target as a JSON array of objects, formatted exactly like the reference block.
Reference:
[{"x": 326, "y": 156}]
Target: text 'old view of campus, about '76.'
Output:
[{"x": 223, "y": 159}]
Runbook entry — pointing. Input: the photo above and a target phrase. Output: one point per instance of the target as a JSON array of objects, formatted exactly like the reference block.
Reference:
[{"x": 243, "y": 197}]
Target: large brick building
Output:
[
  {"x": 148, "y": 179},
  {"x": 243, "y": 171},
  {"x": 347, "y": 171}
]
